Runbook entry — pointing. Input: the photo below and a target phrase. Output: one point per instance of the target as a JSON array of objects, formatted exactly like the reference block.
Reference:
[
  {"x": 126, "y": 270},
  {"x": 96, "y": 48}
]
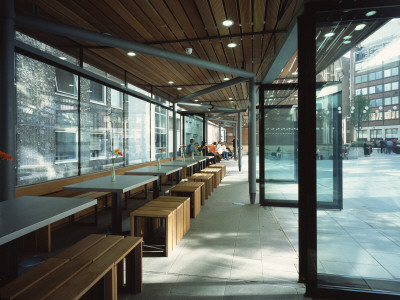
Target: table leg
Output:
[
  {"x": 116, "y": 227},
  {"x": 156, "y": 192},
  {"x": 8, "y": 262},
  {"x": 178, "y": 176}
]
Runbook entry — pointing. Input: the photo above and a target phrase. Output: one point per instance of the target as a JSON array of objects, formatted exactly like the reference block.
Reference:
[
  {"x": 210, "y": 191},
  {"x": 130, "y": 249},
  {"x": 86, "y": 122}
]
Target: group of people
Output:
[
  {"x": 388, "y": 146},
  {"x": 219, "y": 150}
]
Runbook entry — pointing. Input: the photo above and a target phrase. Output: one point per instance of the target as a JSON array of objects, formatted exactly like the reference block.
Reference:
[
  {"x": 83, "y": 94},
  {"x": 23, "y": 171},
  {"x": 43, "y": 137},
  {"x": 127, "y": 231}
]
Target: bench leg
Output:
[{"x": 134, "y": 281}]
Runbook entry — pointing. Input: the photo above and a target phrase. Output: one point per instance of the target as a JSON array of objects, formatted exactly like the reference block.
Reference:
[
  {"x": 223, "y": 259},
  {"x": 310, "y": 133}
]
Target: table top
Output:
[
  {"x": 122, "y": 184},
  {"x": 180, "y": 163},
  {"x": 153, "y": 170},
  {"x": 23, "y": 215},
  {"x": 197, "y": 158}
]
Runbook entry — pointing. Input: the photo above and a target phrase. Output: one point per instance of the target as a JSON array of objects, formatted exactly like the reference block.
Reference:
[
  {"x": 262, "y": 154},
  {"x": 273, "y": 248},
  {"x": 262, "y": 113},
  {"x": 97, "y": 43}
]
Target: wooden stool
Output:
[
  {"x": 207, "y": 178},
  {"x": 222, "y": 166},
  {"x": 186, "y": 208},
  {"x": 217, "y": 174},
  {"x": 140, "y": 225},
  {"x": 179, "y": 214},
  {"x": 202, "y": 185},
  {"x": 194, "y": 192}
]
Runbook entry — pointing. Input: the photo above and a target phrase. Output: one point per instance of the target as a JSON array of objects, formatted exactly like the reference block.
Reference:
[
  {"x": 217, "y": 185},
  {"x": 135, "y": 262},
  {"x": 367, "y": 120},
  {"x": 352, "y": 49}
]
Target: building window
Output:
[
  {"x": 358, "y": 92},
  {"x": 66, "y": 146},
  {"x": 97, "y": 93},
  {"x": 376, "y": 134},
  {"x": 372, "y": 103},
  {"x": 391, "y": 133},
  {"x": 364, "y": 91},
  {"x": 363, "y": 134},
  {"x": 97, "y": 145},
  {"x": 371, "y": 76},
  {"x": 391, "y": 72},
  {"x": 66, "y": 82},
  {"x": 372, "y": 90},
  {"x": 375, "y": 116},
  {"x": 116, "y": 99},
  {"x": 378, "y": 102},
  {"x": 392, "y": 100},
  {"x": 391, "y": 114}
]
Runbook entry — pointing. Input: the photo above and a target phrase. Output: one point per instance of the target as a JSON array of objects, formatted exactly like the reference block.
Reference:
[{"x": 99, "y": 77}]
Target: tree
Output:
[{"x": 359, "y": 112}]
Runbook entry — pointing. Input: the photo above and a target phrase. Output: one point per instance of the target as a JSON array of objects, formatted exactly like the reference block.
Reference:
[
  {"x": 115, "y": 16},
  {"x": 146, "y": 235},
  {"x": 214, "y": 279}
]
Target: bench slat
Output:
[
  {"x": 51, "y": 282},
  {"x": 25, "y": 281},
  {"x": 81, "y": 246},
  {"x": 100, "y": 248}
]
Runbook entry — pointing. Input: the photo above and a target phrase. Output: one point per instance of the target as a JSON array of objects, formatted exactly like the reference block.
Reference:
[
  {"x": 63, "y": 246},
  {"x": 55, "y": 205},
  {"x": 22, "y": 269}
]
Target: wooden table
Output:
[
  {"x": 200, "y": 159},
  {"x": 123, "y": 184},
  {"x": 207, "y": 178},
  {"x": 26, "y": 214},
  {"x": 186, "y": 208},
  {"x": 189, "y": 191},
  {"x": 202, "y": 185},
  {"x": 155, "y": 171},
  {"x": 184, "y": 164}
]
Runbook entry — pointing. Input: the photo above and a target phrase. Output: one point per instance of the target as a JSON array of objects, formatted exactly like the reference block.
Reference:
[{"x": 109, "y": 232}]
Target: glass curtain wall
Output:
[
  {"x": 356, "y": 250},
  {"x": 193, "y": 133},
  {"x": 170, "y": 133},
  {"x": 69, "y": 125}
]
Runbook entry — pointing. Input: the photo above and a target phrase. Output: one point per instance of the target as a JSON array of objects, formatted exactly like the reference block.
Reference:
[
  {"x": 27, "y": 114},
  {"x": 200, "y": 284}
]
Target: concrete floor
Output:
[{"x": 233, "y": 250}]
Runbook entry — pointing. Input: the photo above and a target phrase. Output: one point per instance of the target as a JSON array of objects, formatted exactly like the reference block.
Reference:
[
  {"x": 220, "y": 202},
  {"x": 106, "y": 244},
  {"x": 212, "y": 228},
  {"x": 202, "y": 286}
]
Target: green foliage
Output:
[
  {"x": 357, "y": 144},
  {"x": 359, "y": 114}
]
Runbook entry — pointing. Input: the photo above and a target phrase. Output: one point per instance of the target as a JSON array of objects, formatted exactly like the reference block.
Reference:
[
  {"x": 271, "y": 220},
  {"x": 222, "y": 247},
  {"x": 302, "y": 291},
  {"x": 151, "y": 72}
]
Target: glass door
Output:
[{"x": 278, "y": 148}]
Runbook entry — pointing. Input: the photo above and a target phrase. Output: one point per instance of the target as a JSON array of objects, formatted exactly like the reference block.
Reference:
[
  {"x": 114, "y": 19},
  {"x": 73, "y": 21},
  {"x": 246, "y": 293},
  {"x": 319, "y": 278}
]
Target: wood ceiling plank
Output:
[
  {"x": 272, "y": 14},
  {"x": 155, "y": 18},
  {"x": 259, "y": 15},
  {"x": 257, "y": 44},
  {"x": 247, "y": 43},
  {"x": 182, "y": 18},
  {"x": 245, "y": 16},
  {"x": 232, "y": 13},
  {"x": 207, "y": 17},
  {"x": 229, "y": 54},
  {"x": 130, "y": 20},
  {"x": 198, "y": 47},
  {"x": 218, "y": 11},
  {"x": 195, "y": 18},
  {"x": 142, "y": 18},
  {"x": 168, "y": 17}
]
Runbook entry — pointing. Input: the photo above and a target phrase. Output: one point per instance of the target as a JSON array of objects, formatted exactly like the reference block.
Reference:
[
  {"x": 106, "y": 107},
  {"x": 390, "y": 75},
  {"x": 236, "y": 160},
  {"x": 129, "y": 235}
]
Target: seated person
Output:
[
  {"x": 222, "y": 151},
  {"x": 213, "y": 151}
]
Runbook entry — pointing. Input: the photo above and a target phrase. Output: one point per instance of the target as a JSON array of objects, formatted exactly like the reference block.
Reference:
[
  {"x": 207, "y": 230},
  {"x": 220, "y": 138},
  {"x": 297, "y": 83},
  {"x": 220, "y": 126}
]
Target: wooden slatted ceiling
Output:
[{"x": 147, "y": 21}]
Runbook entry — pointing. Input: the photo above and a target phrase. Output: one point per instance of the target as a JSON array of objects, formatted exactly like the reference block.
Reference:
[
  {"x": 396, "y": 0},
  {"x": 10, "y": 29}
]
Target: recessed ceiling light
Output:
[
  {"x": 295, "y": 73},
  {"x": 226, "y": 78},
  {"x": 346, "y": 42},
  {"x": 70, "y": 85},
  {"x": 329, "y": 34},
  {"x": 232, "y": 45},
  {"x": 131, "y": 53},
  {"x": 370, "y": 13},
  {"x": 196, "y": 100},
  {"x": 179, "y": 88},
  {"x": 230, "y": 98},
  {"x": 62, "y": 58},
  {"x": 170, "y": 82},
  {"x": 228, "y": 23},
  {"x": 347, "y": 37},
  {"x": 122, "y": 83},
  {"x": 360, "y": 27}
]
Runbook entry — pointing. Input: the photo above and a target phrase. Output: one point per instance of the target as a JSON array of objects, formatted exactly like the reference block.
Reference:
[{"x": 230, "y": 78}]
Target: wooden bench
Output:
[
  {"x": 207, "y": 179},
  {"x": 93, "y": 265},
  {"x": 186, "y": 209},
  {"x": 202, "y": 186},
  {"x": 216, "y": 172},
  {"x": 146, "y": 220},
  {"x": 194, "y": 192},
  {"x": 221, "y": 166}
]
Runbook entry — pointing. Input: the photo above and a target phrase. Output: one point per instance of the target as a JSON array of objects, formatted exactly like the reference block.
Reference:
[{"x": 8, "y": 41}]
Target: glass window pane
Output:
[
  {"x": 116, "y": 99},
  {"x": 97, "y": 92},
  {"x": 66, "y": 82}
]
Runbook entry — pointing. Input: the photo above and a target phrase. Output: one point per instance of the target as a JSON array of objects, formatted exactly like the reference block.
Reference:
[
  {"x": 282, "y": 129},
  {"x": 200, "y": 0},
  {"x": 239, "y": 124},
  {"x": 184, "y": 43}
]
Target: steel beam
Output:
[
  {"x": 107, "y": 40},
  {"x": 252, "y": 140},
  {"x": 7, "y": 99},
  {"x": 174, "y": 133},
  {"x": 239, "y": 146},
  {"x": 211, "y": 89}
]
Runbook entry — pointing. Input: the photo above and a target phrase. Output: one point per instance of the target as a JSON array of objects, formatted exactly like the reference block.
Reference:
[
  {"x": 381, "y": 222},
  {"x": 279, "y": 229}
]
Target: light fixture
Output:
[
  {"x": 366, "y": 107},
  {"x": 226, "y": 78},
  {"x": 364, "y": 111},
  {"x": 179, "y": 88},
  {"x": 230, "y": 98},
  {"x": 232, "y": 45},
  {"x": 377, "y": 111},
  {"x": 339, "y": 108},
  {"x": 347, "y": 37},
  {"x": 62, "y": 58},
  {"x": 196, "y": 100},
  {"x": 295, "y": 73},
  {"x": 352, "y": 107},
  {"x": 360, "y": 27},
  {"x": 329, "y": 34},
  {"x": 131, "y": 53},
  {"x": 346, "y": 42},
  {"x": 170, "y": 82},
  {"x": 380, "y": 107},
  {"x": 395, "y": 107},
  {"x": 228, "y": 23},
  {"x": 122, "y": 83},
  {"x": 70, "y": 85},
  {"x": 370, "y": 13}
]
